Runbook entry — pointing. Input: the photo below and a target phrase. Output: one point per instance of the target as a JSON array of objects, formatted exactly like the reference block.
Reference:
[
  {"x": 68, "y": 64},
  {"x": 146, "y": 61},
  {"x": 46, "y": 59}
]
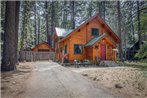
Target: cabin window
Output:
[
  {"x": 108, "y": 47},
  {"x": 65, "y": 49},
  {"x": 78, "y": 49},
  {"x": 95, "y": 32},
  {"x": 96, "y": 47}
]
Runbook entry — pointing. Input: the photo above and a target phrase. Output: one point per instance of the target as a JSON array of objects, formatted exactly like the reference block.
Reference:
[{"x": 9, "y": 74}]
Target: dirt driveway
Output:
[{"x": 51, "y": 80}]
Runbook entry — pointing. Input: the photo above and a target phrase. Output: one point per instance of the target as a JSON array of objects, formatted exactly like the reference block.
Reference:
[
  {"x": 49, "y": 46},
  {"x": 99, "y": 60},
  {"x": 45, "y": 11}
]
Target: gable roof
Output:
[
  {"x": 61, "y": 32},
  {"x": 101, "y": 21},
  {"x": 94, "y": 40},
  {"x": 41, "y": 44}
]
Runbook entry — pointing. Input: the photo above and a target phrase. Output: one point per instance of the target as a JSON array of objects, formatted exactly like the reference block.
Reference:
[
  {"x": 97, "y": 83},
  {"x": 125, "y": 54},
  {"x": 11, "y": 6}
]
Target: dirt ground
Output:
[
  {"x": 12, "y": 83},
  {"x": 120, "y": 80},
  {"x": 128, "y": 81},
  {"x": 50, "y": 80}
]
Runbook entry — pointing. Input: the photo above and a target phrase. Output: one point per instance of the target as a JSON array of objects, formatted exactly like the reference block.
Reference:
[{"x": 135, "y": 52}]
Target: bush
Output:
[{"x": 142, "y": 53}]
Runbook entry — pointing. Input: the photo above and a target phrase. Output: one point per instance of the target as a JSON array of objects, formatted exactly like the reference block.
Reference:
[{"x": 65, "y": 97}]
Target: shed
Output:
[
  {"x": 132, "y": 50},
  {"x": 43, "y": 47}
]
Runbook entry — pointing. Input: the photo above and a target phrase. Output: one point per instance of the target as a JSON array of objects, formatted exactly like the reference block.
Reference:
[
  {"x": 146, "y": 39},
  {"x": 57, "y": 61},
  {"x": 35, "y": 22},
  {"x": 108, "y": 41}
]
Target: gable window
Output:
[
  {"x": 65, "y": 49},
  {"x": 95, "y": 32},
  {"x": 78, "y": 49}
]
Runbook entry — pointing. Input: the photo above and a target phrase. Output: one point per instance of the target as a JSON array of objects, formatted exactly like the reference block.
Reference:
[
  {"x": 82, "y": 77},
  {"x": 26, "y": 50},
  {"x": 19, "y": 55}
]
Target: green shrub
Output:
[{"x": 142, "y": 53}]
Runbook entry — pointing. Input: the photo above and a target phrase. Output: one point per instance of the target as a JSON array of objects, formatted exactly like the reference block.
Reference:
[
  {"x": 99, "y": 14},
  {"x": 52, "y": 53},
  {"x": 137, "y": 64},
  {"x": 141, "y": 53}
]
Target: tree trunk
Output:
[
  {"x": 24, "y": 22},
  {"x": 104, "y": 8},
  {"x": 90, "y": 9},
  {"x": 47, "y": 26},
  {"x": 132, "y": 23},
  {"x": 99, "y": 3},
  {"x": 52, "y": 23},
  {"x": 35, "y": 26},
  {"x": 119, "y": 28},
  {"x": 10, "y": 49},
  {"x": 72, "y": 14},
  {"x": 16, "y": 28},
  {"x": 139, "y": 26},
  {"x": 38, "y": 29},
  {"x": 64, "y": 21}
]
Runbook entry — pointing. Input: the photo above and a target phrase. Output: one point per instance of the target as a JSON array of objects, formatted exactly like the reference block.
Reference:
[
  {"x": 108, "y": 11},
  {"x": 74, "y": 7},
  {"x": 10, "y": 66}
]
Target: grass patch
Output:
[{"x": 141, "y": 66}]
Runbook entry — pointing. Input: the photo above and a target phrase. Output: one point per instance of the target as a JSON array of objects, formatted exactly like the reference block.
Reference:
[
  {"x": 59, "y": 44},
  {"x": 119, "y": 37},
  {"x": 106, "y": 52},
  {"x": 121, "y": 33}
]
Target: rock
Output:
[
  {"x": 84, "y": 74},
  {"x": 94, "y": 78},
  {"x": 97, "y": 79},
  {"x": 14, "y": 82},
  {"x": 137, "y": 94},
  {"x": 108, "y": 64},
  {"x": 118, "y": 86},
  {"x": 3, "y": 88}
]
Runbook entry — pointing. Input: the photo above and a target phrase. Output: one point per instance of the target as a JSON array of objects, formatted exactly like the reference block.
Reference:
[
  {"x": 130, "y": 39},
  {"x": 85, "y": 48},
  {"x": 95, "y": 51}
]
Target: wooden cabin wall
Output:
[
  {"x": 62, "y": 48},
  {"x": 82, "y": 36},
  {"x": 57, "y": 48},
  {"x": 89, "y": 53},
  {"x": 109, "y": 55},
  {"x": 92, "y": 24},
  {"x": 78, "y": 38}
]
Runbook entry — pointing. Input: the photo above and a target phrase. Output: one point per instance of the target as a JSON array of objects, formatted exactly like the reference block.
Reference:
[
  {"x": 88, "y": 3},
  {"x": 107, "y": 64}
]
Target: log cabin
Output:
[
  {"x": 92, "y": 40},
  {"x": 43, "y": 47}
]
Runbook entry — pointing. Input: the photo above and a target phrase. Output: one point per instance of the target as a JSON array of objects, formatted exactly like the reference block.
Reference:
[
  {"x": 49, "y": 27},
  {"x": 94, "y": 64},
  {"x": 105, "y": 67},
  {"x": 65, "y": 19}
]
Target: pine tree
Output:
[
  {"x": 9, "y": 58},
  {"x": 119, "y": 28}
]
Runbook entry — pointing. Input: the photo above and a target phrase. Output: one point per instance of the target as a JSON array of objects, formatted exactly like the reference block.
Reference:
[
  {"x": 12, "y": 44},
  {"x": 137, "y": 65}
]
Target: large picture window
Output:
[
  {"x": 78, "y": 49},
  {"x": 95, "y": 32}
]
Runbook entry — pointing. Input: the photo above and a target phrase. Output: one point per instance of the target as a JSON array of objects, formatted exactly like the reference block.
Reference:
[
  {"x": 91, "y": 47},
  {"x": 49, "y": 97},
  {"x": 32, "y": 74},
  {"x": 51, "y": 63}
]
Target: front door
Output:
[{"x": 103, "y": 51}]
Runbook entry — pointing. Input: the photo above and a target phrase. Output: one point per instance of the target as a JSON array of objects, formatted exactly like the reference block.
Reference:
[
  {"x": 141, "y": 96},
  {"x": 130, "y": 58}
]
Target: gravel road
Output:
[{"x": 51, "y": 80}]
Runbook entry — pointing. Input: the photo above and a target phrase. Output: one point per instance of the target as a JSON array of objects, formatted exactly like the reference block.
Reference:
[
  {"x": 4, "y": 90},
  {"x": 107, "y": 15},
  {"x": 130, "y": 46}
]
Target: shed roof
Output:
[
  {"x": 41, "y": 44},
  {"x": 61, "y": 32},
  {"x": 95, "y": 39}
]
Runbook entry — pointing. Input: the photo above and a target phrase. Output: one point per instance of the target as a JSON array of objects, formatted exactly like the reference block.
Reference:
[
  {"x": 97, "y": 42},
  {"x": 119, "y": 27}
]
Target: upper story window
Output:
[
  {"x": 95, "y": 32},
  {"x": 78, "y": 49}
]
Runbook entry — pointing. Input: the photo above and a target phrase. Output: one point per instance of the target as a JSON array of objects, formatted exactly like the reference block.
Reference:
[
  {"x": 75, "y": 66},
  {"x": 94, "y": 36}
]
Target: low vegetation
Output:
[
  {"x": 129, "y": 80},
  {"x": 142, "y": 52}
]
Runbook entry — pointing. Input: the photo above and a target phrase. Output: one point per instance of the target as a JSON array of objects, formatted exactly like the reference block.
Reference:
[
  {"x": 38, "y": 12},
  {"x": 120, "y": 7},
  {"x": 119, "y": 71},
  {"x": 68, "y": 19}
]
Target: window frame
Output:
[
  {"x": 98, "y": 33},
  {"x": 81, "y": 51}
]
